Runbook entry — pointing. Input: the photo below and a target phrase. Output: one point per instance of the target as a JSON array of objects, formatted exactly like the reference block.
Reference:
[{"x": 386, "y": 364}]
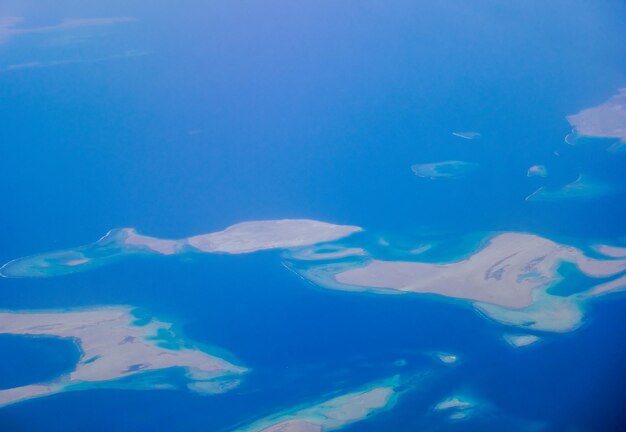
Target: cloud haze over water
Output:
[{"x": 10, "y": 26}]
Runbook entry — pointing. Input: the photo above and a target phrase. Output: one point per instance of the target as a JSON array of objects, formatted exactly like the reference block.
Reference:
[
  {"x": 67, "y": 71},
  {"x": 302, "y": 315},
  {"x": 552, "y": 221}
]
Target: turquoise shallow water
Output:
[{"x": 236, "y": 112}]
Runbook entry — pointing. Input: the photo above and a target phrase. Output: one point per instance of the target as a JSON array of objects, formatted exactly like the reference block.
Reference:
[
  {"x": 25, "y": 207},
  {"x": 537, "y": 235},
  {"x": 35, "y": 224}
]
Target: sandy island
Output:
[
  {"x": 537, "y": 171},
  {"x": 507, "y": 280},
  {"x": 275, "y": 234},
  {"x": 519, "y": 340},
  {"x": 607, "y": 120},
  {"x": 114, "y": 348},
  {"x": 241, "y": 238},
  {"x": 334, "y": 413}
]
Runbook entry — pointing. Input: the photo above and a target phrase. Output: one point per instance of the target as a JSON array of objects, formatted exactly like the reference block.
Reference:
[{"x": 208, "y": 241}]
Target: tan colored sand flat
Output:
[
  {"x": 520, "y": 340},
  {"x": 112, "y": 347},
  {"x": 505, "y": 272},
  {"x": 607, "y": 120},
  {"x": 618, "y": 284},
  {"x": 294, "y": 426},
  {"x": 331, "y": 414},
  {"x": 611, "y": 251},
  {"x": 325, "y": 252},
  {"x": 273, "y": 234},
  {"x": 162, "y": 246}
]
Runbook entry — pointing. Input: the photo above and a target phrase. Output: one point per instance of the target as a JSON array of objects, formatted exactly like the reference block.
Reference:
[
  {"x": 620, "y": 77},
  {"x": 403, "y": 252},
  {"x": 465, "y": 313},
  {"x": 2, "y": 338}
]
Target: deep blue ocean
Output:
[{"x": 201, "y": 115}]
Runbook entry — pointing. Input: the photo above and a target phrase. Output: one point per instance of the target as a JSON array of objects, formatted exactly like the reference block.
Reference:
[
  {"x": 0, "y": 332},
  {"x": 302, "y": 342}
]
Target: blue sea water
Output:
[{"x": 239, "y": 111}]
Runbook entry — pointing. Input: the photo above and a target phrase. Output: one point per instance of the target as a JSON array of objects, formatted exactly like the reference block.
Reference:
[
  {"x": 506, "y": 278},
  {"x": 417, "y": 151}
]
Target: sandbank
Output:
[
  {"x": 518, "y": 340},
  {"x": 607, "y": 120},
  {"x": 446, "y": 358},
  {"x": 537, "y": 171},
  {"x": 581, "y": 188},
  {"x": 506, "y": 280},
  {"x": 611, "y": 251},
  {"x": 333, "y": 413},
  {"x": 241, "y": 238},
  {"x": 113, "y": 347}
]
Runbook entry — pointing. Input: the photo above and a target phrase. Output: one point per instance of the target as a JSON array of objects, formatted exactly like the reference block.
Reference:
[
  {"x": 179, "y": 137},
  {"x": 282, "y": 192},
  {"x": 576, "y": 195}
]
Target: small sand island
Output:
[
  {"x": 507, "y": 279},
  {"x": 520, "y": 340},
  {"x": 468, "y": 135},
  {"x": 334, "y": 413},
  {"x": 537, "y": 171},
  {"x": 241, "y": 238},
  {"x": 452, "y": 169},
  {"x": 583, "y": 187},
  {"x": 457, "y": 407},
  {"x": 607, "y": 120},
  {"x": 446, "y": 358},
  {"x": 118, "y": 352}
]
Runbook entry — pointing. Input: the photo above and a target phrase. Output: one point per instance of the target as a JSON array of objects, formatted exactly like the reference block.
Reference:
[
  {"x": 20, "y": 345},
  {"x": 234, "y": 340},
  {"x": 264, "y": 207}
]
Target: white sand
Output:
[
  {"x": 618, "y": 284},
  {"x": 446, "y": 358},
  {"x": 611, "y": 251},
  {"x": 294, "y": 426},
  {"x": 273, "y": 234},
  {"x": 455, "y": 402}
]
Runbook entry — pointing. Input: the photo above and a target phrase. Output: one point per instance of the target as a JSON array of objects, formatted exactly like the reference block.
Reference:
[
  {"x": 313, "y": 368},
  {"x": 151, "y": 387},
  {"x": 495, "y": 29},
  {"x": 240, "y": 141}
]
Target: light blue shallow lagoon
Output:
[{"x": 312, "y": 216}]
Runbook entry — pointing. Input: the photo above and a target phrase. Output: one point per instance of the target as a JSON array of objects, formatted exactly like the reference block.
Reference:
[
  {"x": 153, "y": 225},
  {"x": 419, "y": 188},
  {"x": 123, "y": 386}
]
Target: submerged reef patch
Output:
[
  {"x": 583, "y": 187},
  {"x": 452, "y": 169}
]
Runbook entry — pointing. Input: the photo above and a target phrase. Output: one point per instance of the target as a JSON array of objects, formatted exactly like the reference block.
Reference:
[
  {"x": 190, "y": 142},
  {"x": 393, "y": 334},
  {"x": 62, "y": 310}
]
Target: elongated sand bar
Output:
[
  {"x": 611, "y": 251},
  {"x": 241, "y": 238},
  {"x": 520, "y": 340},
  {"x": 334, "y": 413}
]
